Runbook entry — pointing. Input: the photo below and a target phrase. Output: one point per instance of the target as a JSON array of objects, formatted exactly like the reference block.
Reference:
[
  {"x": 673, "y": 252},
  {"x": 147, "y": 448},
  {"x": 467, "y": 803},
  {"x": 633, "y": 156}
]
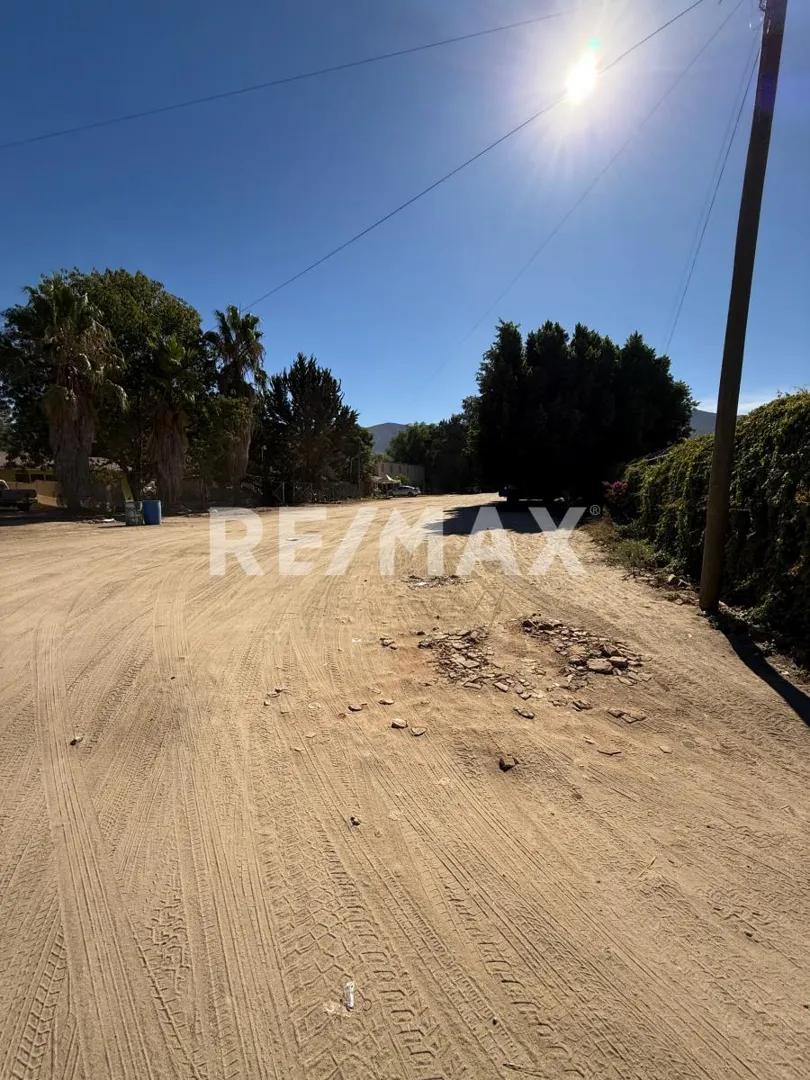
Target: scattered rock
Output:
[
  {"x": 413, "y": 581},
  {"x": 417, "y": 731},
  {"x": 503, "y": 687},
  {"x": 608, "y": 751},
  {"x": 527, "y": 714},
  {"x": 583, "y": 651},
  {"x": 581, "y": 705},
  {"x": 633, "y": 717},
  {"x": 356, "y": 706},
  {"x": 354, "y": 820},
  {"x": 507, "y": 762},
  {"x": 664, "y": 748},
  {"x": 298, "y": 749},
  {"x": 76, "y": 740},
  {"x": 627, "y": 716},
  {"x": 399, "y": 723},
  {"x": 386, "y": 701},
  {"x": 600, "y": 667}
]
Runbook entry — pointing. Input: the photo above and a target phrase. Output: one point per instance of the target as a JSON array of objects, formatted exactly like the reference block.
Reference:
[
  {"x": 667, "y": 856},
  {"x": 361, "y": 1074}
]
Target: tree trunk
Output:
[{"x": 71, "y": 434}]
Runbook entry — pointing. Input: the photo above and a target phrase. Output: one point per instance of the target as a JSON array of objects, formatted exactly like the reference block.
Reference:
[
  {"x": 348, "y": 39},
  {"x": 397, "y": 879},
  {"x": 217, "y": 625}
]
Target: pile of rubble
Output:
[
  {"x": 413, "y": 581},
  {"x": 585, "y": 653},
  {"x": 463, "y": 657}
]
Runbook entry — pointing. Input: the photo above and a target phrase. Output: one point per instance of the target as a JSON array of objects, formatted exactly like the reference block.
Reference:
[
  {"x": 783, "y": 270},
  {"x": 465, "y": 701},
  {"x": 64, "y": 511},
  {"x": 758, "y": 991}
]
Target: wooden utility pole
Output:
[{"x": 728, "y": 398}]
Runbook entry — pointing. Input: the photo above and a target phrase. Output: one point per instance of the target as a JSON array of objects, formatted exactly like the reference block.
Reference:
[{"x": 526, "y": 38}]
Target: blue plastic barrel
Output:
[{"x": 151, "y": 512}]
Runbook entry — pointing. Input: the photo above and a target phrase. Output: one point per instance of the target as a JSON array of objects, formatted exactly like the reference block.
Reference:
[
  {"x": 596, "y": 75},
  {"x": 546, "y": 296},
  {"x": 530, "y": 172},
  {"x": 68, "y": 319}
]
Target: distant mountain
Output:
[
  {"x": 702, "y": 422},
  {"x": 383, "y": 434}
]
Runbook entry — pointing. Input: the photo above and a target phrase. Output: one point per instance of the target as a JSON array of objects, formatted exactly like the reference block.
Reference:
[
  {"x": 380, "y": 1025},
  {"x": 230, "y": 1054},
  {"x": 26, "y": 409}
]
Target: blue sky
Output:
[{"x": 223, "y": 201}]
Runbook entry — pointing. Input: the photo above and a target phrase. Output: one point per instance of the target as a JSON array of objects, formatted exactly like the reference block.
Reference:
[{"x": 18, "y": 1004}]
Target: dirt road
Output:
[{"x": 183, "y": 892}]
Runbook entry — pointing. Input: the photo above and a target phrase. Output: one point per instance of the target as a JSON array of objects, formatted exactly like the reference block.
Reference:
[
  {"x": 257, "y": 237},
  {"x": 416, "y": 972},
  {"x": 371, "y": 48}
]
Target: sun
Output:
[{"x": 582, "y": 77}]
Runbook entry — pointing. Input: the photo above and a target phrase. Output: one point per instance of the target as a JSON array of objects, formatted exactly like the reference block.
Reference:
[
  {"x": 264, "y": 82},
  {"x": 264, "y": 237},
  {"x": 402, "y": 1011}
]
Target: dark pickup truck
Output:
[{"x": 19, "y": 498}]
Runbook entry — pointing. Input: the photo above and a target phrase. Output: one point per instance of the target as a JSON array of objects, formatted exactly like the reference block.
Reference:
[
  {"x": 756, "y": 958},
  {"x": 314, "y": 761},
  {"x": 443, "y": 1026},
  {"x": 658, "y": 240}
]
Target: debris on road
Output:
[
  {"x": 413, "y": 581},
  {"x": 463, "y": 655},
  {"x": 583, "y": 651}
]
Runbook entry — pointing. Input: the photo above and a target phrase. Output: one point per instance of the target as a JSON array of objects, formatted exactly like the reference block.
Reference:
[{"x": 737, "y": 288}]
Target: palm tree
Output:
[
  {"x": 60, "y": 328},
  {"x": 237, "y": 345}
]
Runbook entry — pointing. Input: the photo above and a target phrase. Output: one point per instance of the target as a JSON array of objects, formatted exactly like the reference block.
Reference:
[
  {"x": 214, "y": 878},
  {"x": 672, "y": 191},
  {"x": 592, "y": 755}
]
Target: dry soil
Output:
[{"x": 183, "y": 892}]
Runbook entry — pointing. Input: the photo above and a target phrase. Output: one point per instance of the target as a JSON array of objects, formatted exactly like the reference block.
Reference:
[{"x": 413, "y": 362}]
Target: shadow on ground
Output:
[
  {"x": 35, "y": 516},
  {"x": 757, "y": 662},
  {"x": 460, "y": 521}
]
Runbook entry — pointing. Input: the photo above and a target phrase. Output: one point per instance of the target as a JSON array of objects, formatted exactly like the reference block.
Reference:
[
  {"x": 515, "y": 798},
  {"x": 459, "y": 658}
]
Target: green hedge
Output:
[{"x": 768, "y": 550}]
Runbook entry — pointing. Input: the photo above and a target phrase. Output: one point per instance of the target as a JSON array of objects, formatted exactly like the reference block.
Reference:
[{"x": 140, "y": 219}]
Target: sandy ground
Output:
[{"x": 183, "y": 894}]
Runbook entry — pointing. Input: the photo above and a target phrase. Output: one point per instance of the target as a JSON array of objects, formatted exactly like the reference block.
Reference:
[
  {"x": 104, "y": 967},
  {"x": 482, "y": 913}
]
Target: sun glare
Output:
[{"x": 582, "y": 78}]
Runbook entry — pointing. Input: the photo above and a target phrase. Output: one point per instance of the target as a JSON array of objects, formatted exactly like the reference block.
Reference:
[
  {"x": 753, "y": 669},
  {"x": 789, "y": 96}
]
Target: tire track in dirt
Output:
[
  {"x": 232, "y": 989},
  {"x": 121, "y": 1034}
]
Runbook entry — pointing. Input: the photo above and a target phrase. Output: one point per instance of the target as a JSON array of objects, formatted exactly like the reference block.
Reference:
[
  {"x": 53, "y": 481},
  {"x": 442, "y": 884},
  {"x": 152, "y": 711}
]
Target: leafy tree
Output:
[
  {"x": 559, "y": 413},
  {"x": 443, "y": 449},
  {"x": 307, "y": 435},
  {"x": 236, "y": 345},
  {"x": 57, "y": 356},
  {"x": 413, "y": 445},
  {"x": 214, "y": 435},
  {"x": 452, "y": 467},
  {"x": 500, "y": 447},
  {"x": 165, "y": 374}
]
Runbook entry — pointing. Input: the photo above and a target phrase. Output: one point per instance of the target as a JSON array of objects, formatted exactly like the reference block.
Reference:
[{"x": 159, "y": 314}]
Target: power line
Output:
[
  {"x": 464, "y": 164},
  {"x": 707, "y": 211},
  {"x": 607, "y": 167},
  {"x": 283, "y": 81}
]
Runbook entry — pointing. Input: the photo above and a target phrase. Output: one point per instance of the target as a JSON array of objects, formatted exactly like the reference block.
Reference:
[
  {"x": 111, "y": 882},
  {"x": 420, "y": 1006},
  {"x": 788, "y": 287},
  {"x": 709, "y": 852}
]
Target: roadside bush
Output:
[
  {"x": 635, "y": 555},
  {"x": 768, "y": 551}
]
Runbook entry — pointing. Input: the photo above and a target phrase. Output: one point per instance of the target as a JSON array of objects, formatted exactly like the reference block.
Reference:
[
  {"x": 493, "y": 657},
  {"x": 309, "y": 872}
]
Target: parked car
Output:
[
  {"x": 20, "y": 498},
  {"x": 402, "y": 491}
]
